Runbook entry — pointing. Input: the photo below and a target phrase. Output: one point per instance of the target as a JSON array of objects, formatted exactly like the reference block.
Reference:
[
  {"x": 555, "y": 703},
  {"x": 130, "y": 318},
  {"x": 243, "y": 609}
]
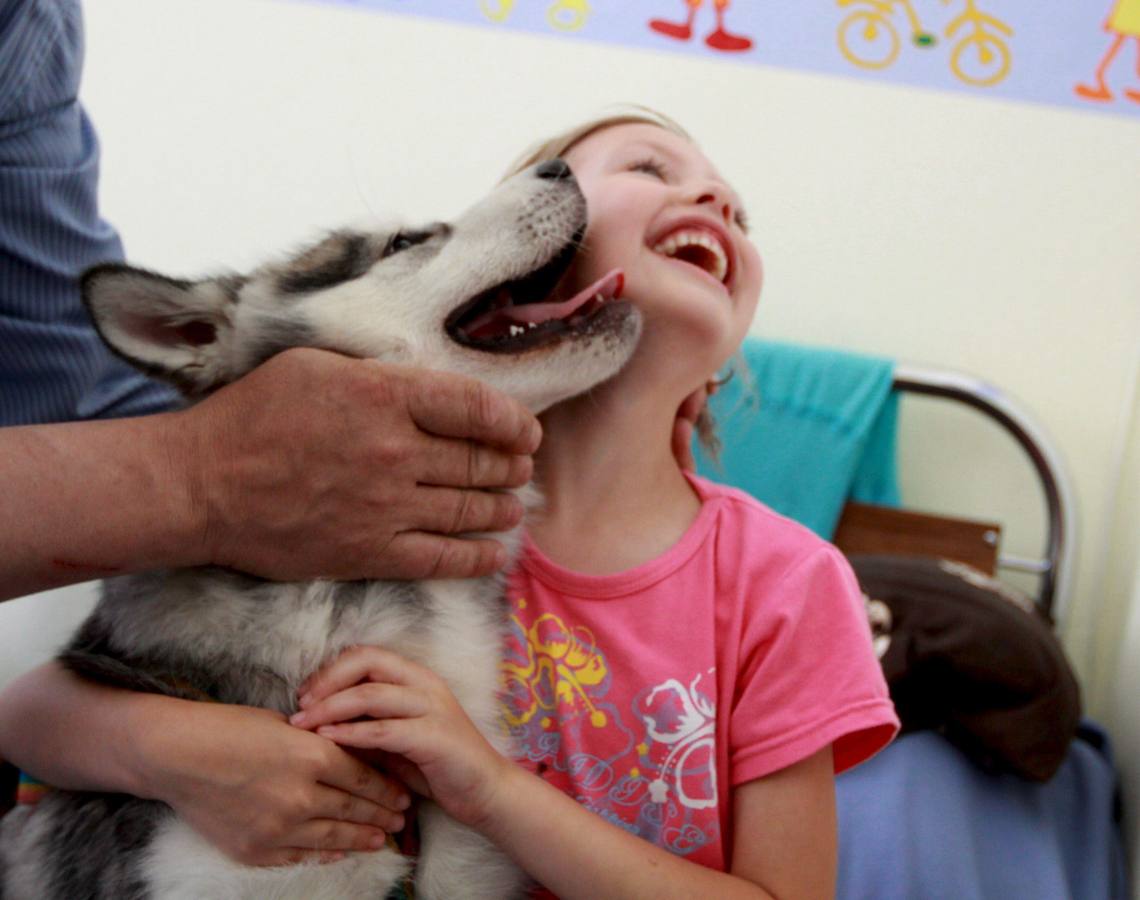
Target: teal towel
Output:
[{"x": 805, "y": 429}]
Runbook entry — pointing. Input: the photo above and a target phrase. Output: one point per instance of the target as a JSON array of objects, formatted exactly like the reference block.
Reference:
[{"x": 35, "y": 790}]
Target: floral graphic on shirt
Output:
[
  {"x": 555, "y": 668},
  {"x": 641, "y": 754},
  {"x": 682, "y": 722}
]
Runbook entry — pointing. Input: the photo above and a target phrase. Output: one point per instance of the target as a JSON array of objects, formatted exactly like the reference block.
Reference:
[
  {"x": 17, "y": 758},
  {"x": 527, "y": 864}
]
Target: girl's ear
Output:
[{"x": 173, "y": 329}]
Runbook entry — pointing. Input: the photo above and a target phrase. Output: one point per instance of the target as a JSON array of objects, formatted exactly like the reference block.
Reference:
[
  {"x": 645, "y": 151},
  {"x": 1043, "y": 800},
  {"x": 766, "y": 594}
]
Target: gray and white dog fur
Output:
[{"x": 385, "y": 295}]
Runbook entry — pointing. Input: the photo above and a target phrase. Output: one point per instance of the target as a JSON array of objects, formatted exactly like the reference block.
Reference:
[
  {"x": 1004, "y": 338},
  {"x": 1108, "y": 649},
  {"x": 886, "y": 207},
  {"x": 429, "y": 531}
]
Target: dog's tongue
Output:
[{"x": 607, "y": 288}]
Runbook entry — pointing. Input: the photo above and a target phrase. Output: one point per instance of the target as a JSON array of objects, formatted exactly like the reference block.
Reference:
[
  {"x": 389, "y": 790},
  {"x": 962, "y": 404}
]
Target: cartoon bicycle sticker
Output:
[
  {"x": 563, "y": 15},
  {"x": 869, "y": 37}
]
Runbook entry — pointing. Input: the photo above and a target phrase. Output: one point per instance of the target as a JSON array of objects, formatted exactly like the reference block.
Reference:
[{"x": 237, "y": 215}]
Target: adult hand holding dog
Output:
[{"x": 314, "y": 464}]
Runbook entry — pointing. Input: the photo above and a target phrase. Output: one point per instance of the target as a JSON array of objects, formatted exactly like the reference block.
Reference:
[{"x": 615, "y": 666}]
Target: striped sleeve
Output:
[{"x": 53, "y": 365}]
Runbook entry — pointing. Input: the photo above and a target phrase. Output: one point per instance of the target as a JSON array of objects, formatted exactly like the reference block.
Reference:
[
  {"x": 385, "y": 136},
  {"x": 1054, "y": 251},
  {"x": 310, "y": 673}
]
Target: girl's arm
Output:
[
  {"x": 785, "y": 844},
  {"x": 263, "y": 792},
  {"x": 785, "y": 828}
]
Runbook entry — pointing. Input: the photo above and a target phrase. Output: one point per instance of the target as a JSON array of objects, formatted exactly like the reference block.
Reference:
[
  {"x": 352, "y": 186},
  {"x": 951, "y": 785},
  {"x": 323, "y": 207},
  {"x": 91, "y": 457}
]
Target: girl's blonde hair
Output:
[{"x": 623, "y": 114}]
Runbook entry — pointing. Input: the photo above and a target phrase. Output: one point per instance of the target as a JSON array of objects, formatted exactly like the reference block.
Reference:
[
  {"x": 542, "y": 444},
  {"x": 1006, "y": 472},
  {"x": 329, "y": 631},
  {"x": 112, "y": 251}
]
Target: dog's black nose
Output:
[{"x": 554, "y": 169}]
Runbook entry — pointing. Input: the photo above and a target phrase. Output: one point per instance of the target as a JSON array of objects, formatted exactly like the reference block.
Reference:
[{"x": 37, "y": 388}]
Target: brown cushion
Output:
[{"x": 972, "y": 659}]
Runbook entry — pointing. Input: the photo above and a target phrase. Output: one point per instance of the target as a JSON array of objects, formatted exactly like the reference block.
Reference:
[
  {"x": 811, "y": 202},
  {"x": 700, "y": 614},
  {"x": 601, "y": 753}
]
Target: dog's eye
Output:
[{"x": 402, "y": 240}]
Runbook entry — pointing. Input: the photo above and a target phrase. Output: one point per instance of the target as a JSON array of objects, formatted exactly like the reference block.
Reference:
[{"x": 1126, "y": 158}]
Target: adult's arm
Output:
[
  {"x": 53, "y": 365},
  {"x": 314, "y": 465}
]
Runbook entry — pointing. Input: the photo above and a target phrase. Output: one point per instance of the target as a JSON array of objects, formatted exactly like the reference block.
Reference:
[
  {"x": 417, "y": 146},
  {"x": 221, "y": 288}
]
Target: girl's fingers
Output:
[
  {"x": 374, "y": 699},
  {"x": 331, "y": 836},
  {"x": 356, "y": 664},
  {"x": 387, "y": 734},
  {"x": 293, "y": 856},
  {"x": 350, "y": 776},
  {"x": 337, "y": 805},
  {"x": 322, "y": 841}
]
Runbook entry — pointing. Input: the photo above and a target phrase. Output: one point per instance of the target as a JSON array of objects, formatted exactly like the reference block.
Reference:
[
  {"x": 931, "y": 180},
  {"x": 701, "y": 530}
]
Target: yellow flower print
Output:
[{"x": 566, "y": 659}]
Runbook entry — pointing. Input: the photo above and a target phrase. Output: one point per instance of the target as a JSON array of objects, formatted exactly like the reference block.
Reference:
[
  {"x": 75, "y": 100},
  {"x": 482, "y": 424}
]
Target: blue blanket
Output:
[
  {"x": 921, "y": 822},
  {"x": 804, "y": 429}
]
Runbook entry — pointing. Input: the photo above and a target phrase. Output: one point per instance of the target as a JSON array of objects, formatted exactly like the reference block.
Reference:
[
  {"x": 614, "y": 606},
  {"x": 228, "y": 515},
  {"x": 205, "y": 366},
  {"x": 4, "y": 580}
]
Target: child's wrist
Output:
[
  {"x": 149, "y": 767},
  {"x": 508, "y": 788}
]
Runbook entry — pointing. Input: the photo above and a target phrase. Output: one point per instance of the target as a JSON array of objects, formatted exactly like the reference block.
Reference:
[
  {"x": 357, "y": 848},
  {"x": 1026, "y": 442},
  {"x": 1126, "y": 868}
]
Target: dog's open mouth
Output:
[{"x": 517, "y": 315}]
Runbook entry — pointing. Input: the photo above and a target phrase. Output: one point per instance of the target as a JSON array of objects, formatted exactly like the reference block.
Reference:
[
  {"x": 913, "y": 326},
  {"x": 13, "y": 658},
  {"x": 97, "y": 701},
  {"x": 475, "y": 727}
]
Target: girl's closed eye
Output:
[{"x": 650, "y": 166}]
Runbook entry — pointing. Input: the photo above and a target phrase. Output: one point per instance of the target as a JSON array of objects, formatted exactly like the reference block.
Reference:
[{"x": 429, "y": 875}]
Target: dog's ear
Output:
[{"x": 174, "y": 329}]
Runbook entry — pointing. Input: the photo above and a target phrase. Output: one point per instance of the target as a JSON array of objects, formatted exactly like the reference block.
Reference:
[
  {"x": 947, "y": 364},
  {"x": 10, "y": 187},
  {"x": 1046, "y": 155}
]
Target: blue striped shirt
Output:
[{"x": 53, "y": 365}]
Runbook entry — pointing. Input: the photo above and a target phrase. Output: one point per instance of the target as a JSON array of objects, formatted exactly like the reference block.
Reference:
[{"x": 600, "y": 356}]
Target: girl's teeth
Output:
[{"x": 688, "y": 238}]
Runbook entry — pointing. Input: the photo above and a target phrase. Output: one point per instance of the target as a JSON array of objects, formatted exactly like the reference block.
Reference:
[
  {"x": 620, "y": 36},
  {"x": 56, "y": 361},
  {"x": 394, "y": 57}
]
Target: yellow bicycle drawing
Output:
[
  {"x": 564, "y": 15},
  {"x": 981, "y": 58},
  {"x": 869, "y": 38}
]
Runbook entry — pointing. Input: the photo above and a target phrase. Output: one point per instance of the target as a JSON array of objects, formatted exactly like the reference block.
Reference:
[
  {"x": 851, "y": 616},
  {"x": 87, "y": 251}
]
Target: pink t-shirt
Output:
[{"x": 650, "y": 694}]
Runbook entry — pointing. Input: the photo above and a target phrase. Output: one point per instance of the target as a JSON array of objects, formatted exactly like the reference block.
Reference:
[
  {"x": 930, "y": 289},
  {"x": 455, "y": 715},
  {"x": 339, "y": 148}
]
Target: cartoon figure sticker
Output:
[
  {"x": 719, "y": 39},
  {"x": 1004, "y": 48},
  {"x": 1123, "y": 23},
  {"x": 869, "y": 37}
]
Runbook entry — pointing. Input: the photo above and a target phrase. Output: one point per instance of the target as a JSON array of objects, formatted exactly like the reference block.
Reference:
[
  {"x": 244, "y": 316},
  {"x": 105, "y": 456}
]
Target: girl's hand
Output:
[
  {"x": 264, "y": 792},
  {"x": 686, "y": 422},
  {"x": 409, "y": 711}
]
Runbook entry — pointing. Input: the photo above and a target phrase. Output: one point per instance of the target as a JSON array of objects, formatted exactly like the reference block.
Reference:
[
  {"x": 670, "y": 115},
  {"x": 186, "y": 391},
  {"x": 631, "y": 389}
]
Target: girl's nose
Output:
[{"x": 719, "y": 199}]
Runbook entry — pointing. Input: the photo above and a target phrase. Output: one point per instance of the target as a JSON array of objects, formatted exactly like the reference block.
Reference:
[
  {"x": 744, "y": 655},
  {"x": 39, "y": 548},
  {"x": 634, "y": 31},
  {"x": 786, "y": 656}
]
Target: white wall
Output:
[
  {"x": 942, "y": 228},
  {"x": 33, "y": 629}
]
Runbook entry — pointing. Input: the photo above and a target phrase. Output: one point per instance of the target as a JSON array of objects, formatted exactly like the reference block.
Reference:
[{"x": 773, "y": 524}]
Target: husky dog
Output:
[{"x": 481, "y": 297}]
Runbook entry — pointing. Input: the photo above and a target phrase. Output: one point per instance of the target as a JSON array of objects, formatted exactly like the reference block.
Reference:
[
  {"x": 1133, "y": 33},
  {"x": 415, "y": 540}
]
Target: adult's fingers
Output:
[
  {"x": 458, "y": 463},
  {"x": 453, "y": 406},
  {"x": 415, "y": 555},
  {"x": 455, "y": 511}
]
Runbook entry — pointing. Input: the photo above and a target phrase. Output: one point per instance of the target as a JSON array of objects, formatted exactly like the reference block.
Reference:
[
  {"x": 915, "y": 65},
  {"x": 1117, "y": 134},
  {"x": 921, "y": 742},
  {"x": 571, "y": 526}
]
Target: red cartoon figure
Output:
[
  {"x": 1123, "y": 23},
  {"x": 720, "y": 39}
]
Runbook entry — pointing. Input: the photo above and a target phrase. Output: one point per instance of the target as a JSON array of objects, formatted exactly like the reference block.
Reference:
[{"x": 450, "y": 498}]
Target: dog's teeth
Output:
[
  {"x": 516, "y": 330},
  {"x": 531, "y": 324}
]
